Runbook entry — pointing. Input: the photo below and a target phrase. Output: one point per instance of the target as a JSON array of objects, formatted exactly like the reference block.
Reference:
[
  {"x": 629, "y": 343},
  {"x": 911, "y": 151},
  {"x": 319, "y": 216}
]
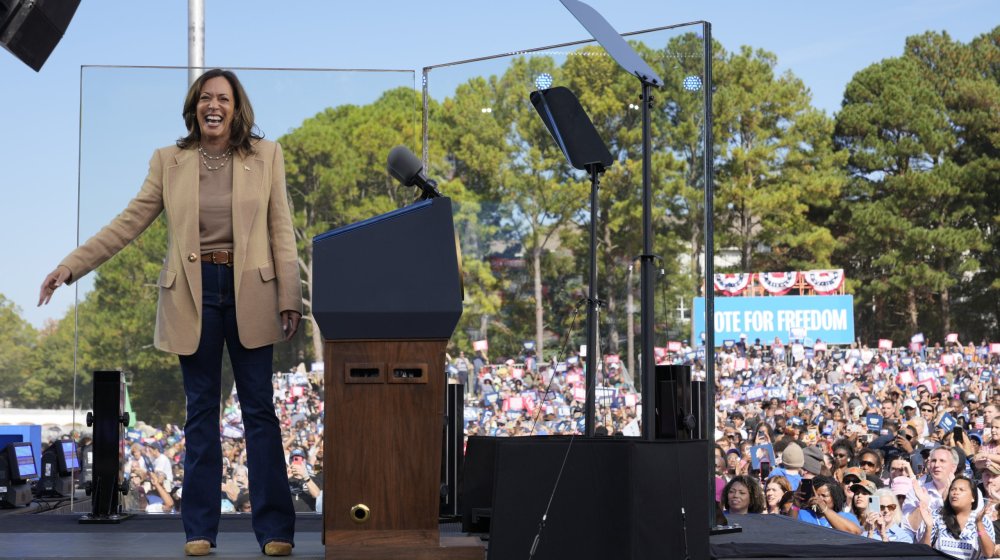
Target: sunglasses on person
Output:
[
  {"x": 867, "y": 464},
  {"x": 922, "y": 409},
  {"x": 887, "y": 507}
]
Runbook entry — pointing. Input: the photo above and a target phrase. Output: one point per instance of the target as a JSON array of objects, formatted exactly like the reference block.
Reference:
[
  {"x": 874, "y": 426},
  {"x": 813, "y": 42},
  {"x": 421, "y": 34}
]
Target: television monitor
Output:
[
  {"x": 21, "y": 459},
  {"x": 69, "y": 461},
  {"x": 17, "y": 468},
  {"x": 59, "y": 464}
]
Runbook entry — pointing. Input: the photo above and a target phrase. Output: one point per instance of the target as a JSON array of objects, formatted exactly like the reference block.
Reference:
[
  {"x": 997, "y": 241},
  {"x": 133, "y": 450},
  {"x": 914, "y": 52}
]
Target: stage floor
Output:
[{"x": 60, "y": 535}]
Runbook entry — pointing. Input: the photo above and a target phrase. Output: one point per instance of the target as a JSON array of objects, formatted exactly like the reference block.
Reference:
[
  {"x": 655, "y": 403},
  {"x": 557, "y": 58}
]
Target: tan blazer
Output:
[{"x": 265, "y": 270}]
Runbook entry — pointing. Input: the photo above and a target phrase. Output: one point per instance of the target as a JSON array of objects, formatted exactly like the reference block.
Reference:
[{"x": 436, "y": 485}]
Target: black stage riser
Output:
[{"x": 617, "y": 498}]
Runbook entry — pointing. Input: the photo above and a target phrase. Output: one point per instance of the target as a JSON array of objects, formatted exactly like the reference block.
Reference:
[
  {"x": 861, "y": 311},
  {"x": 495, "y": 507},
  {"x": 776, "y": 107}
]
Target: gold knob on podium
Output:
[{"x": 360, "y": 513}]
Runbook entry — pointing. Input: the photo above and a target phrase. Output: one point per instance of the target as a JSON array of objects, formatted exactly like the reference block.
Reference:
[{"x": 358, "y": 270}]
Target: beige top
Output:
[{"x": 215, "y": 207}]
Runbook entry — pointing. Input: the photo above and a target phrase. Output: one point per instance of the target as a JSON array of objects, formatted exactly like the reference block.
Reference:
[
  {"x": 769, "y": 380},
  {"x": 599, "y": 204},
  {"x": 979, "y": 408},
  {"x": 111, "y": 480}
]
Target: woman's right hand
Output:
[{"x": 56, "y": 278}]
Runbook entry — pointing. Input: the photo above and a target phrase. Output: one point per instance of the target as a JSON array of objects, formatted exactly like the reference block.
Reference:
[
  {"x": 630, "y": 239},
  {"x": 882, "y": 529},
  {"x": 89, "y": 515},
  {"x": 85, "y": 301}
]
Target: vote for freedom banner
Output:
[{"x": 826, "y": 318}]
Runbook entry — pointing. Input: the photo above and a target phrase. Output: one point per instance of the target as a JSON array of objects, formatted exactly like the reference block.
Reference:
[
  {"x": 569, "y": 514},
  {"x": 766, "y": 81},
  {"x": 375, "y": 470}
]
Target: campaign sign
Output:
[
  {"x": 830, "y": 318},
  {"x": 947, "y": 422},
  {"x": 874, "y": 423},
  {"x": 761, "y": 453}
]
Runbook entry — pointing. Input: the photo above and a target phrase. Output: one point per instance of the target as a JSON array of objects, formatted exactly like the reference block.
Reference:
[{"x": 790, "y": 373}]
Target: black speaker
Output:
[
  {"x": 451, "y": 450},
  {"x": 677, "y": 402},
  {"x": 615, "y": 498},
  {"x": 476, "y": 484},
  {"x": 32, "y": 28}
]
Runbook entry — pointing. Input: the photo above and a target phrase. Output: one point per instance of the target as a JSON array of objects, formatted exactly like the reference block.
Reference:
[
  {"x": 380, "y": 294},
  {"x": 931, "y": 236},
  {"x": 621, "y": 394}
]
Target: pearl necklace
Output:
[{"x": 223, "y": 158}]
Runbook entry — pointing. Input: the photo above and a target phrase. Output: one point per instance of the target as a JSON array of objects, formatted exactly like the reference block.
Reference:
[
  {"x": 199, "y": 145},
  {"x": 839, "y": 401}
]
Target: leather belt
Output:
[{"x": 218, "y": 257}]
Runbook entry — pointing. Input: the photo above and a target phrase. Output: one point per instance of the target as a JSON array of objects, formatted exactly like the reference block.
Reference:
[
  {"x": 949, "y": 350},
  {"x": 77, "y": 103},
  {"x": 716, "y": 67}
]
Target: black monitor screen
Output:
[
  {"x": 69, "y": 453},
  {"x": 25, "y": 461}
]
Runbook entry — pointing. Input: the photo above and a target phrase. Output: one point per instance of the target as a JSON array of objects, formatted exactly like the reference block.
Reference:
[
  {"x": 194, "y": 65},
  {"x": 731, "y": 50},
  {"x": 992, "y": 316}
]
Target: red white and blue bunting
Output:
[
  {"x": 825, "y": 281},
  {"x": 732, "y": 284},
  {"x": 778, "y": 283}
]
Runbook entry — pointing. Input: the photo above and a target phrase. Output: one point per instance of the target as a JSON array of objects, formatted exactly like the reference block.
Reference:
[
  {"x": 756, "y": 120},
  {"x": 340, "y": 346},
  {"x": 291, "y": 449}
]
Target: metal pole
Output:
[
  {"x": 196, "y": 39},
  {"x": 708, "y": 407},
  {"x": 593, "y": 304},
  {"x": 648, "y": 275}
]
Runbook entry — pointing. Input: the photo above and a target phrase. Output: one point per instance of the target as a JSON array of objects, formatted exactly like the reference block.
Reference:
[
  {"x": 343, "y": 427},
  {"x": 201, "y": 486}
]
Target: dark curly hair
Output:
[
  {"x": 836, "y": 491},
  {"x": 757, "y": 502},
  {"x": 244, "y": 131},
  {"x": 948, "y": 513}
]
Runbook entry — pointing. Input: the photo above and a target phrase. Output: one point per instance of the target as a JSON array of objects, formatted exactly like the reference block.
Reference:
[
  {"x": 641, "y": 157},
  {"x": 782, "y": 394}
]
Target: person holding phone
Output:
[
  {"x": 303, "y": 486},
  {"x": 823, "y": 501},
  {"x": 862, "y": 493},
  {"x": 886, "y": 524}
]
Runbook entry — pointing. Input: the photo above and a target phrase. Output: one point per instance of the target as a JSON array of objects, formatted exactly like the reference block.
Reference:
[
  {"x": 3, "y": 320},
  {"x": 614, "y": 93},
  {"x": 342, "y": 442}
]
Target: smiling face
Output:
[
  {"x": 738, "y": 498},
  {"x": 215, "y": 112}
]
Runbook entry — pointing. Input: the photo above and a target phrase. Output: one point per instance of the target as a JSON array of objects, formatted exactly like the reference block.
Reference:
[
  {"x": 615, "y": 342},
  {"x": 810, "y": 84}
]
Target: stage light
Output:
[
  {"x": 17, "y": 470},
  {"x": 31, "y": 29},
  {"x": 60, "y": 462},
  {"x": 692, "y": 83},
  {"x": 543, "y": 81}
]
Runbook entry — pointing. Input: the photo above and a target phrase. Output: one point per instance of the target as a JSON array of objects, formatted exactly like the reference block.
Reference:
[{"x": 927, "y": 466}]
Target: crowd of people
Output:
[
  {"x": 154, "y": 462},
  {"x": 895, "y": 444},
  {"x": 899, "y": 444}
]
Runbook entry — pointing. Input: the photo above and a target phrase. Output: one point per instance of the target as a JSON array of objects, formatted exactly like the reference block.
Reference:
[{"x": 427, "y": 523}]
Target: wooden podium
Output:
[{"x": 387, "y": 296}]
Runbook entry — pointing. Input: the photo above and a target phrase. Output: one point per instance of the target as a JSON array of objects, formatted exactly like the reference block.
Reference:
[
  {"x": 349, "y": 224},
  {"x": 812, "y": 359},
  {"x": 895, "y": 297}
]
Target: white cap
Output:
[{"x": 909, "y": 403}]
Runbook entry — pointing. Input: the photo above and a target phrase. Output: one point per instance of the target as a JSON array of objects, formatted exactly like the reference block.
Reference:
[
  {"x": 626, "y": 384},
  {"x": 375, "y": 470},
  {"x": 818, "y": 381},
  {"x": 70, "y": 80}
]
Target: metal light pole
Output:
[{"x": 196, "y": 39}]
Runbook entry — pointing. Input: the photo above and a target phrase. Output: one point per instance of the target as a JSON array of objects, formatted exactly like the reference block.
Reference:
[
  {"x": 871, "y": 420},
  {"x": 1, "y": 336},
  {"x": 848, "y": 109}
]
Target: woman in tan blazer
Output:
[{"x": 230, "y": 277}]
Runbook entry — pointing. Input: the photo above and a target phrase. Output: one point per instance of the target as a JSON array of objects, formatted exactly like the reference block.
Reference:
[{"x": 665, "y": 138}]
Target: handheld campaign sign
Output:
[
  {"x": 874, "y": 423},
  {"x": 763, "y": 452},
  {"x": 947, "y": 422}
]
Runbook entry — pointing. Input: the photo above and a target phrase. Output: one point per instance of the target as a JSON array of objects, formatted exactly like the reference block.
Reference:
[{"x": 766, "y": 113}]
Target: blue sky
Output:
[{"x": 821, "y": 43}]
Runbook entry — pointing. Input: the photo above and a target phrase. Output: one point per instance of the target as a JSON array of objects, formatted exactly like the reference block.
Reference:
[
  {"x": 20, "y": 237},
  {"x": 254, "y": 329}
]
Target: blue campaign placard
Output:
[
  {"x": 874, "y": 423},
  {"x": 947, "y": 422},
  {"x": 827, "y": 318}
]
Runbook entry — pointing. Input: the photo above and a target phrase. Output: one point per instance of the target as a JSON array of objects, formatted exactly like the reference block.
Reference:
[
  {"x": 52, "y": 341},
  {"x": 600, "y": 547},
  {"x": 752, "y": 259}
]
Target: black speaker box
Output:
[
  {"x": 476, "y": 484},
  {"x": 615, "y": 498},
  {"x": 678, "y": 403},
  {"x": 33, "y": 28}
]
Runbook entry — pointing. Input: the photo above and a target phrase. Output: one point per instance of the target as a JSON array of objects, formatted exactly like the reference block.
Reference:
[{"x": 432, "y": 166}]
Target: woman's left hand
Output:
[
  {"x": 290, "y": 323},
  {"x": 984, "y": 510}
]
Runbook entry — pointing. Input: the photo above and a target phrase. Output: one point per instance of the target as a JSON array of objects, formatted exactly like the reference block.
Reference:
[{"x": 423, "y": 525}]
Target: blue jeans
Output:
[{"x": 273, "y": 515}]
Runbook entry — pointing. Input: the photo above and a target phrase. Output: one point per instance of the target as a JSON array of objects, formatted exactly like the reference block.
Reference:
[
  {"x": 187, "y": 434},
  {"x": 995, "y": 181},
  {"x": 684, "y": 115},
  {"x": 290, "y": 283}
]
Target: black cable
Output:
[
  {"x": 541, "y": 524},
  {"x": 569, "y": 338}
]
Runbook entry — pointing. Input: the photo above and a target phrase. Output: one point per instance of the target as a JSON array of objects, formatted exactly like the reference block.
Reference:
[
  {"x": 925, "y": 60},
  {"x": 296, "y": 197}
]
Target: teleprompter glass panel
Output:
[
  {"x": 335, "y": 128},
  {"x": 523, "y": 214}
]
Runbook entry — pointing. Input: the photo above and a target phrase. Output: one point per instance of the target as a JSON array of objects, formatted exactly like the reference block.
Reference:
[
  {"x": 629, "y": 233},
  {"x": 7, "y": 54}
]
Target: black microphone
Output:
[{"x": 409, "y": 170}]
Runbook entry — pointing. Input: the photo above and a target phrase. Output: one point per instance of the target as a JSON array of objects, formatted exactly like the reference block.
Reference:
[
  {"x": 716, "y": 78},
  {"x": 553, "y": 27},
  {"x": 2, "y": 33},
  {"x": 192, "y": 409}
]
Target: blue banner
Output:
[{"x": 827, "y": 318}]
